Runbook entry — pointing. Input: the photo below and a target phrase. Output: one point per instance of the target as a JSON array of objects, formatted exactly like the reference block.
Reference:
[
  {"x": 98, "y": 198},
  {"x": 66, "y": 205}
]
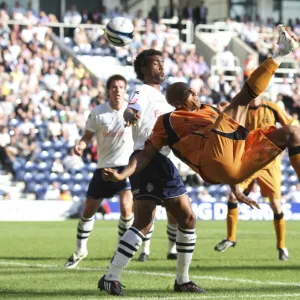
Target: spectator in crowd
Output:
[
  {"x": 53, "y": 192},
  {"x": 65, "y": 194},
  {"x": 57, "y": 166},
  {"x": 72, "y": 16},
  {"x": 200, "y": 13}
]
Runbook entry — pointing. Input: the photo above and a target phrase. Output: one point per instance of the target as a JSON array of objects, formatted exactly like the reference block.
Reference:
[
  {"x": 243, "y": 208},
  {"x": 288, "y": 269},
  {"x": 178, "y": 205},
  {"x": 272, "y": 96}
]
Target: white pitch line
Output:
[
  {"x": 213, "y": 278},
  {"x": 201, "y": 296}
]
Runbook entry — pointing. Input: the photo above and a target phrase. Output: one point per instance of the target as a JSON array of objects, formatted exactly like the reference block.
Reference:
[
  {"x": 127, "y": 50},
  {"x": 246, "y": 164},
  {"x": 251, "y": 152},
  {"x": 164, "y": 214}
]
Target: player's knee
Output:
[
  {"x": 292, "y": 131},
  {"x": 126, "y": 209},
  {"x": 189, "y": 221},
  {"x": 275, "y": 206},
  {"x": 90, "y": 207}
]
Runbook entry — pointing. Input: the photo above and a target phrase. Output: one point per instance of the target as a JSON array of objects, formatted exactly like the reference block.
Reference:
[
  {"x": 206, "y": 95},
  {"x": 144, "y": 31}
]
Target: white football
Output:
[{"x": 119, "y": 31}]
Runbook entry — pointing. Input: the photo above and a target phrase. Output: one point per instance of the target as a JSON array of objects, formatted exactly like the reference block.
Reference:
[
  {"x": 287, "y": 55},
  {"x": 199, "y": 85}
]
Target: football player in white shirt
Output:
[
  {"x": 159, "y": 182},
  {"x": 114, "y": 147}
]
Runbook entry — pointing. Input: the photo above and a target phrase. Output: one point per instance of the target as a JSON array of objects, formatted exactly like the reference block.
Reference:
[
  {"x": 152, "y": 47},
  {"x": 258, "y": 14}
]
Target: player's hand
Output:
[
  {"x": 78, "y": 149},
  {"x": 131, "y": 117},
  {"x": 242, "y": 198},
  {"x": 109, "y": 174},
  {"x": 222, "y": 105}
]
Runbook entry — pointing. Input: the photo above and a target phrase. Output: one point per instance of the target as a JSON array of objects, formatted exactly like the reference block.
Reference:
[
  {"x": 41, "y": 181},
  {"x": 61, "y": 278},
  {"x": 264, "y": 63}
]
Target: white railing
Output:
[
  {"x": 218, "y": 68},
  {"x": 188, "y": 29}
]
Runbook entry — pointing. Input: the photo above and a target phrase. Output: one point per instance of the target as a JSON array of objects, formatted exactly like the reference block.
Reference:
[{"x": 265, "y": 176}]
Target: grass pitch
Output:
[{"x": 32, "y": 255}]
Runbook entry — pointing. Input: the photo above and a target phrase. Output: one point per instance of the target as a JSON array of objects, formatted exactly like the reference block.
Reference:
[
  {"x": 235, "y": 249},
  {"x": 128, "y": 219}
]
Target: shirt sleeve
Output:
[
  {"x": 91, "y": 122},
  {"x": 159, "y": 137},
  {"x": 138, "y": 100},
  {"x": 283, "y": 117}
]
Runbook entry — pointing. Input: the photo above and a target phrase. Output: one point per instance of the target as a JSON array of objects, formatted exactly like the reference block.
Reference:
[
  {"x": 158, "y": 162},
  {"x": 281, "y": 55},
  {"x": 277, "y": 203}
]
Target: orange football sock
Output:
[
  {"x": 232, "y": 219},
  {"x": 294, "y": 155},
  {"x": 260, "y": 78},
  {"x": 279, "y": 224}
]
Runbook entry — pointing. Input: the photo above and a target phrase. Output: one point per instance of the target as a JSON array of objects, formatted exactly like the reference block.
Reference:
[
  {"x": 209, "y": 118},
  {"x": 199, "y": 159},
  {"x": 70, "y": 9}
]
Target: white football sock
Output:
[
  {"x": 129, "y": 244},
  {"x": 172, "y": 232},
  {"x": 123, "y": 225},
  {"x": 185, "y": 243},
  {"x": 147, "y": 241},
  {"x": 84, "y": 229}
]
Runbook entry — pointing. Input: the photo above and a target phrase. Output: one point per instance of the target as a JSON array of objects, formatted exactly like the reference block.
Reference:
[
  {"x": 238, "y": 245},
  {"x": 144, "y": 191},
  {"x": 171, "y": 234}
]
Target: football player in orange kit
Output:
[
  {"x": 217, "y": 145},
  {"x": 261, "y": 113}
]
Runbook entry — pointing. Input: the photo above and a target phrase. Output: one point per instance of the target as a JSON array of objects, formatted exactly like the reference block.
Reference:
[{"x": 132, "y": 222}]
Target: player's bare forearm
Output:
[
  {"x": 242, "y": 198},
  {"x": 86, "y": 139},
  {"x": 139, "y": 161}
]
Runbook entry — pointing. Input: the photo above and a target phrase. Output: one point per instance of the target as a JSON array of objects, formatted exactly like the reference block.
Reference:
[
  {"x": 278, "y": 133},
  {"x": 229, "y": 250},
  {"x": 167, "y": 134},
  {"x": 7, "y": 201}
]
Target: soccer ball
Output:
[{"x": 119, "y": 31}]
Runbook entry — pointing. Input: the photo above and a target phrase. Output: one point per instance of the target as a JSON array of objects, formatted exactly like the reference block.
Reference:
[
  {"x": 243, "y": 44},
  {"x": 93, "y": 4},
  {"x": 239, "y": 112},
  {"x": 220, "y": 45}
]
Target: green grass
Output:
[{"x": 32, "y": 255}]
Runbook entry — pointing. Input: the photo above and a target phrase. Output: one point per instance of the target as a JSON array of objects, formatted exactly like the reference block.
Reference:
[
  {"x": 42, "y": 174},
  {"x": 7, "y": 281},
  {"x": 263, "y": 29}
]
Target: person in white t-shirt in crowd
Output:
[
  {"x": 114, "y": 146},
  {"x": 52, "y": 192},
  {"x": 72, "y": 16},
  {"x": 55, "y": 127}
]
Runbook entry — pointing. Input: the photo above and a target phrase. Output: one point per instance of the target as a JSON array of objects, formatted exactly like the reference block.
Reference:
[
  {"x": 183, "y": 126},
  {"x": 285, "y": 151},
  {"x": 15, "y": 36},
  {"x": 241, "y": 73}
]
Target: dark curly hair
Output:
[
  {"x": 113, "y": 78},
  {"x": 141, "y": 61}
]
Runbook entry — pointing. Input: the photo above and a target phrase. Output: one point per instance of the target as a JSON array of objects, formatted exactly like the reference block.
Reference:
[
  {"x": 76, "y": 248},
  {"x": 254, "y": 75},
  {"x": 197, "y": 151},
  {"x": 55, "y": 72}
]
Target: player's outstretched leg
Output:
[
  {"x": 260, "y": 78},
  {"x": 144, "y": 212},
  {"x": 181, "y": 210},
  {"x": 84, "y": 229},
  {"x": 171, "y": 232}
]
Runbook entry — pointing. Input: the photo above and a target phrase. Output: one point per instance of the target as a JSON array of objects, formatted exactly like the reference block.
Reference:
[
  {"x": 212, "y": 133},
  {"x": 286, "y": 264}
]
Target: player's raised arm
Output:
[{"x": 136, "y": 164}]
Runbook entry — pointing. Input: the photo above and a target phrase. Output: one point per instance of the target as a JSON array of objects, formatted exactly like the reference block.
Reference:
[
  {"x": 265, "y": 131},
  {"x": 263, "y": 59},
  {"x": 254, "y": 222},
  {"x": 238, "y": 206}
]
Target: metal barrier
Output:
[
  {"x": 230, "y": 73},
  {"x": 188, "y": 29}
]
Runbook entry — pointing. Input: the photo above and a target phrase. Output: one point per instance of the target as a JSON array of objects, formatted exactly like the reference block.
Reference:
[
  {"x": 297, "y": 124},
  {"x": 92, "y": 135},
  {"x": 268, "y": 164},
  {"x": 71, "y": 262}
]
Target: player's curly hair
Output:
[
  {"x": 141, "y": 61},
  {"x": 113, "y": 78}
]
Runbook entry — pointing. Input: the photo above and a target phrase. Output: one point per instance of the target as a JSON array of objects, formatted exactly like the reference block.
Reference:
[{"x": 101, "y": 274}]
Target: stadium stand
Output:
[{"x": 46, "y": 93}]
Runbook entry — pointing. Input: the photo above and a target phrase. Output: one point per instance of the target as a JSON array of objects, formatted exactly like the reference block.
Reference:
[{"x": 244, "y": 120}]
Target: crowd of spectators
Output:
[{"x": 45, "y": 97}]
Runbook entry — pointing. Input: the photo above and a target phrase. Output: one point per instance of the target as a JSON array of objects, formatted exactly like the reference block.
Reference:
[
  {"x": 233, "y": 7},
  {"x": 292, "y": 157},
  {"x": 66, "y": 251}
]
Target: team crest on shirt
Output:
[
  {"x": 149, "y": 187},
  {"x": 133, "y": 101}
]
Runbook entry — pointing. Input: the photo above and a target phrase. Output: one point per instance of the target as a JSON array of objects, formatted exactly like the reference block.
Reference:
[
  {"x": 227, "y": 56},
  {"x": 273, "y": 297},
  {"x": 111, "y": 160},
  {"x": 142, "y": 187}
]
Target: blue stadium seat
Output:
[
  {"x": 29, "y": 166},
  {"x": 39, "y": 191},
  {"x": 14, "y": 122},
  {"x": 28, "y": 177},
  {"x": 78, "y": 178},
  {"x": 92, "y": 167},
  {"x": 40, "y": 177},
  {"x": 76, "y": 190},
  {"x": 46, "y": 145},
  {"x": 90, "y": 176},
  {"x": 224, "y": 190},
  {"x": 20, "y": 174},
  {"x": 53, "y": 177},
  {"x": 30, "y": 187},
  {"x": 57, "y": 154},
  {"x": 65, "y": 178},
  {"x": 43, "y": 167},
  {"x": 293, "y": 180}
]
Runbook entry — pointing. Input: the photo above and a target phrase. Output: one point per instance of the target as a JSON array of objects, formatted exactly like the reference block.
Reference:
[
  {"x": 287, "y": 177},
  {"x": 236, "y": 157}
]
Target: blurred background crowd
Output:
[{"x": 46, "y": 93}]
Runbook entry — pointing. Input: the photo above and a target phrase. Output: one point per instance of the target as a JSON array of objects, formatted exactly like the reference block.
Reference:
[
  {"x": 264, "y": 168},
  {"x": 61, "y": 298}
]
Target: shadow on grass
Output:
[
  {"x": 144, "y": 293},
  {"x": 28, "y": 258}
]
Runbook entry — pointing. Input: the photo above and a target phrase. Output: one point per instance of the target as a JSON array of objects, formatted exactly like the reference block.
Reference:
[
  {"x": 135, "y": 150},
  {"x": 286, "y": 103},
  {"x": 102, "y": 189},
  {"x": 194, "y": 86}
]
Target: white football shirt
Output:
[
  {"x": 114, "y": 140},
  {"x": 151, "y": 103}
]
